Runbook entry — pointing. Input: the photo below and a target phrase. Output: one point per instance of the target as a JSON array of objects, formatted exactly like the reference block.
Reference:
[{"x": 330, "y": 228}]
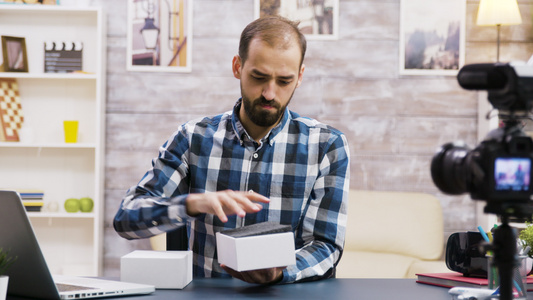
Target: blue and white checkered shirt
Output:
[{"x": 302, "y": 165}]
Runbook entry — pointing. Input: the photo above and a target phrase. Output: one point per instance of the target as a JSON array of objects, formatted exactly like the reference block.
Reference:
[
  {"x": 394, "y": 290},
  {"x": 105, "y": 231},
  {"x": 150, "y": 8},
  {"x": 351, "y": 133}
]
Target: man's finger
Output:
[
  {"x": 246, "y": 203},
  {"x": 256, "y": 197},
  {"x": 232, "y": 272},
  {"x": 231, "y": 206},
  {"x": 248, "y": 277},
  {"x": 219, "y": 212}
]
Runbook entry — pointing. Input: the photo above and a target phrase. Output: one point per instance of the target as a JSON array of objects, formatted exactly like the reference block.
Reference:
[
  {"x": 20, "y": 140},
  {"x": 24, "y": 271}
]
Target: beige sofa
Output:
[
  {"x": 392, "y": 235},
  {"x": 389, "y": 235}
]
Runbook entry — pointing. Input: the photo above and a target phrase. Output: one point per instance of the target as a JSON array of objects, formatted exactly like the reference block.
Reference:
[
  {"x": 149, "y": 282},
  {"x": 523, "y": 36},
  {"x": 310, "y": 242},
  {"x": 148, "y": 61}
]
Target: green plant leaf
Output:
[
  {"x": 526, "y": 235},
  {"x": 5, "y": 261}
]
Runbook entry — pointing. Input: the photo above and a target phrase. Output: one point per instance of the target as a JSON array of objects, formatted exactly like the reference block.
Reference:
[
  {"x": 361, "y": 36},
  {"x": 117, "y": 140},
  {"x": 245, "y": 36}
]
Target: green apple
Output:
[
  {"x": 86, "y": 204},
  {"x": 72, "y": 205}
]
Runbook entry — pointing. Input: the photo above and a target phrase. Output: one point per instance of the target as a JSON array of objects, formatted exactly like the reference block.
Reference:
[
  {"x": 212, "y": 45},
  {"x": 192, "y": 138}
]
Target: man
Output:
[{"x": 259, "y": 162}]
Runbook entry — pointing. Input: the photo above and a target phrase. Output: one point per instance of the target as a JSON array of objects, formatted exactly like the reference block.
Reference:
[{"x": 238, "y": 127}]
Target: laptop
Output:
[{"x": 29, "y": 275}]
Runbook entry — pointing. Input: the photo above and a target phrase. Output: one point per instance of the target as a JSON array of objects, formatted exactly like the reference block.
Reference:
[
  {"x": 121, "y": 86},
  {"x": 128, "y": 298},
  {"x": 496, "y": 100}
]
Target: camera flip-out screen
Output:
[{"x": 512, "y": 173}]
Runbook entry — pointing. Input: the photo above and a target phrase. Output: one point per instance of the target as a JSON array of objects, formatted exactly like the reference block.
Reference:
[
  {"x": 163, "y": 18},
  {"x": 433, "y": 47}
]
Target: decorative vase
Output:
[{"x": 3, "y": 287}]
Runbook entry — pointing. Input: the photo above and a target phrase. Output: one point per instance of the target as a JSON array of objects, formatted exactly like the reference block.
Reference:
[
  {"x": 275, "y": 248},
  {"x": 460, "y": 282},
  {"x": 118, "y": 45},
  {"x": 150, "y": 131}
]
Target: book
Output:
[
  {"x": 32, "y": 199},
  {"x": 33, "y": 205},
  {"x": 31, "y": 196},
  {"x": 455, "y": 279}
]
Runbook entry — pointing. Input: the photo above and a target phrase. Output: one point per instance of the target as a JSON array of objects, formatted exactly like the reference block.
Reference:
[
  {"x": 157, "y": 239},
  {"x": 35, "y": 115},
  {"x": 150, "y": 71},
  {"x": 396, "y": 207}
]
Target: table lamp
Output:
[{"x": 497, "y": 13}]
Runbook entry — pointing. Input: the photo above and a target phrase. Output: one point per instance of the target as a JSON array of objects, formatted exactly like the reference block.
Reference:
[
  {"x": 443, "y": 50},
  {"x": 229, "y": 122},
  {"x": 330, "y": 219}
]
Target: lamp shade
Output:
[{"x": 498, "y": 12}]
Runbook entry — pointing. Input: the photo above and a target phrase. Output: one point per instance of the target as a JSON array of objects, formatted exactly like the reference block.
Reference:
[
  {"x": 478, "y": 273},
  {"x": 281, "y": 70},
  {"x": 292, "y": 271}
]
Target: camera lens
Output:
[{"x": 449, "y": 169}]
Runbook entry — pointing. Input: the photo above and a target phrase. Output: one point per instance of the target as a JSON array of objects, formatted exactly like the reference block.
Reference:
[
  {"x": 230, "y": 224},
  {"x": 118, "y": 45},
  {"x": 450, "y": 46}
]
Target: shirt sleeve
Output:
[
  {"x": 324, "y": 223},
  {"x": 157, "y": 203}
]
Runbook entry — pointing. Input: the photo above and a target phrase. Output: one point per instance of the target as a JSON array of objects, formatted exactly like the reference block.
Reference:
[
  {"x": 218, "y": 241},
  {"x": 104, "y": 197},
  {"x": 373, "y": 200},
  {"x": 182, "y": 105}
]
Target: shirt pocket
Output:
[{"x": 288, "y": 200}]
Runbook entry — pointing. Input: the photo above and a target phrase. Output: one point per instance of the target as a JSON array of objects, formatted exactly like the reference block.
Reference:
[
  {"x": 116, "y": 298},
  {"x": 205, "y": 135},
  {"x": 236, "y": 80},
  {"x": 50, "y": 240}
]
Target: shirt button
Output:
[
  {"x": 256, "y": 155},
  {"x": 179, "y": 219},
  {"x": 250, "y": 191},
  {"x": 154, "y": 223}
]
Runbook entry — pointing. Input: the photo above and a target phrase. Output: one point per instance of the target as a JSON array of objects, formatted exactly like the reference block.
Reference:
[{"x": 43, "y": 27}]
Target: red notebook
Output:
[{"x": 453, "y": 279}]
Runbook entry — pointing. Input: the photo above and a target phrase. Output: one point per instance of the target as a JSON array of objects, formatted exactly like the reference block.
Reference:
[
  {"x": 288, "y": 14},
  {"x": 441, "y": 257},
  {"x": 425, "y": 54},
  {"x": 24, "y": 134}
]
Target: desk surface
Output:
[
  {"x": 360, "y": 289},
  {"x": 325, "y": 289}
]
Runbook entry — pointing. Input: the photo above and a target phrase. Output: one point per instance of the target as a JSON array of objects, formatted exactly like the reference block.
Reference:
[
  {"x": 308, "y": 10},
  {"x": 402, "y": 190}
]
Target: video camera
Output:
[{"x": 499, "y": 169}]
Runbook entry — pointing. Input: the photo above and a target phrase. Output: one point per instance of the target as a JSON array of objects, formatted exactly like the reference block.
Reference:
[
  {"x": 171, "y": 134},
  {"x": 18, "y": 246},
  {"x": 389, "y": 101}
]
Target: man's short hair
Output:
[{"x": 274, "y": 30}]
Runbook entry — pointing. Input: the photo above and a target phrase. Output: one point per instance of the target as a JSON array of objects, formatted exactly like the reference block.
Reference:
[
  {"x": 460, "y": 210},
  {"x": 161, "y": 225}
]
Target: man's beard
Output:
[{"x": 260, "y": 116}]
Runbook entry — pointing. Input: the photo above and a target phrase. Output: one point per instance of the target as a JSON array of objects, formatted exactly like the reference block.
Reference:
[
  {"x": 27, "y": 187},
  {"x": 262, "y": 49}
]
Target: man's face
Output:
[{"x": 269, "y": 78}]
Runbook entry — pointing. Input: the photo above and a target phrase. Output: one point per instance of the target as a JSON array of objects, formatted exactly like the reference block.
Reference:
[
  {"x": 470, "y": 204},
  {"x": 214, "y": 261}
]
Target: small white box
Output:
[
  {"x": 256, "y": 252},
  {"x": 162, "y": 269}
]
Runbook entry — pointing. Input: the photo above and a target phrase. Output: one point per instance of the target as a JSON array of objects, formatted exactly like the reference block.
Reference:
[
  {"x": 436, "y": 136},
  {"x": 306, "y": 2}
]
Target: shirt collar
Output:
[{"x": 243, "y": 135}]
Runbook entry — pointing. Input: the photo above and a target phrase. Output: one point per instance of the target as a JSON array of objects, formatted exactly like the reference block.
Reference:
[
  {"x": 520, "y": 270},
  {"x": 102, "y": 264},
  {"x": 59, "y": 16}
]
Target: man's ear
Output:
[
  {"x": 300, "y": 75},
  {"x": 236, "y": 66}
]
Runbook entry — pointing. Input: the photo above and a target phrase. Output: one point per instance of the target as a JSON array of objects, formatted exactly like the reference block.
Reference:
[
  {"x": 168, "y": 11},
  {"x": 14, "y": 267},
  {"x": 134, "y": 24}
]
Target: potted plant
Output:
[
  {"x": 526, "y": 238},
  {"x": 5, "y": 262}
]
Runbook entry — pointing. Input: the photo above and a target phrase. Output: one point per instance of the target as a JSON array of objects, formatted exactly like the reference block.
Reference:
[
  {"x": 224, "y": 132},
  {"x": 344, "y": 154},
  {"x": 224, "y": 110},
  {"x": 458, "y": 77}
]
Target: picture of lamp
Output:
[{"x": 150, "y": 32}]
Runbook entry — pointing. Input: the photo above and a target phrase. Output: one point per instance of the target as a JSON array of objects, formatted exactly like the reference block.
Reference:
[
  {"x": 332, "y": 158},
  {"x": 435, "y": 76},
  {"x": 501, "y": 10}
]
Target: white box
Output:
[
  {"x": 162, "y": 269},
  {"x": 256, "y": 252}
]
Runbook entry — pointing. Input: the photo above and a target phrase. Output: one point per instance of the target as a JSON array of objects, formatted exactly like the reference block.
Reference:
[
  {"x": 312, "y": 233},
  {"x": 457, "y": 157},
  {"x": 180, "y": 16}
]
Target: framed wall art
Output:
[
  {"x": 432, "y": 37},
  {"x": 159, "y": 35},
  {"x": 319, "y": 19},
  {"x": 44, "y": 2},
  {"x": 15, "y": 58}
]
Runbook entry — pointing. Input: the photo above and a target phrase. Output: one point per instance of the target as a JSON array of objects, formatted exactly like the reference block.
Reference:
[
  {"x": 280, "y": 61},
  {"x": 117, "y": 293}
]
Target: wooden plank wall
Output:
[{"x": 393, "y": 123}]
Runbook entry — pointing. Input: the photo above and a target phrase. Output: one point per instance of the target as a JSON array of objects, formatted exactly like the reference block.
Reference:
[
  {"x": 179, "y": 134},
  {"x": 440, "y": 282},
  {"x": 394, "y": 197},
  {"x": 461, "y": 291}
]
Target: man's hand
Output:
[
  {"x": 225, "y": 203},
  {"x": 262, "y": 276}
]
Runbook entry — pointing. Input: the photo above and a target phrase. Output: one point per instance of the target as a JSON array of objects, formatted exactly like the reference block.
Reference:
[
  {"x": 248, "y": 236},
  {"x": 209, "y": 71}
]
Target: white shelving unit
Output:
[{"x": 71, "y": 242}]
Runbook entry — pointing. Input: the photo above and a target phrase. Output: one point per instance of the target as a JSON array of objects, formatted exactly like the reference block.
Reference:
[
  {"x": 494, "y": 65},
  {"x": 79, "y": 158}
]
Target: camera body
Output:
[
  {"x": 508, "y": 160},
  {"x": 499, "y": 169}
]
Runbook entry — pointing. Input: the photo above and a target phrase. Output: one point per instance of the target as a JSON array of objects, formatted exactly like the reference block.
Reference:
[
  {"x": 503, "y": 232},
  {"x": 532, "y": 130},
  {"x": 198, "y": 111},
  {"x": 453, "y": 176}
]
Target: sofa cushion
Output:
[
  {"x": 362, "y": 264},
  {"x": 400, "y": 223}
]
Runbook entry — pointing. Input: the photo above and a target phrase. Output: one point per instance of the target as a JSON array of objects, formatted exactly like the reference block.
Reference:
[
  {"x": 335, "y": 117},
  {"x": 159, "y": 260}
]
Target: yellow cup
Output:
[{"x": 71, "y": 131}]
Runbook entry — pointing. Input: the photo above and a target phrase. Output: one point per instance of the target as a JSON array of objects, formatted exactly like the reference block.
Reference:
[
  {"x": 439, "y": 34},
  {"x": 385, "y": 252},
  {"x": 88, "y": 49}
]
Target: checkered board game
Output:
[{"x": 11, "y": 117}]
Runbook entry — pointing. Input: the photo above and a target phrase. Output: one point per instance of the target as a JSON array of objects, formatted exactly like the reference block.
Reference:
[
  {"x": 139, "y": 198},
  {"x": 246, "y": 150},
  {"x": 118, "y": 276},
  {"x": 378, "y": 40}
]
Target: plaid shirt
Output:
[{"x": 301, "y": 165}]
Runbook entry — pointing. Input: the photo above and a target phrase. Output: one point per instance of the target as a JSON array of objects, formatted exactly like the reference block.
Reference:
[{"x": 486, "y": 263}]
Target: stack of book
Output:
[
  {"x": 455, "y": 279},
  {"x": 32, "y": 199}
]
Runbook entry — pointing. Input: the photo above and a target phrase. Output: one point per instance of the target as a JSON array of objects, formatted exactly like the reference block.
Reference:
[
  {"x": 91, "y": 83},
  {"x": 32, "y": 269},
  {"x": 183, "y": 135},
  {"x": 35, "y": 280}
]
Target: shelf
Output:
[
  {"x": 71, "y": 242},
  {"x": 47, "y": 75},
  {"x": 50, "y": 145},
  {"x": 78, "y": 215}
]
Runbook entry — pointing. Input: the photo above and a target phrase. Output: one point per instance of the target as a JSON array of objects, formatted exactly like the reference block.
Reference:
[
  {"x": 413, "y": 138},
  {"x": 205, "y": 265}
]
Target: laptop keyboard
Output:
[{"x": 61, "y": 287}]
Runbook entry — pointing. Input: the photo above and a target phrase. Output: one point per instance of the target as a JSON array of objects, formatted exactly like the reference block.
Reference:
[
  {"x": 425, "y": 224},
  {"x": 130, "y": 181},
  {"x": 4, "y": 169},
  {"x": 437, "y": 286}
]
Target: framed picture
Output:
[
  {"x": 14, "y": 54},
  {"x": 45, "y": 2},
  {"x": 159, "y": 35},
  {"x": 319, "y": 19},
  {"x": 432, "y": 36}
]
